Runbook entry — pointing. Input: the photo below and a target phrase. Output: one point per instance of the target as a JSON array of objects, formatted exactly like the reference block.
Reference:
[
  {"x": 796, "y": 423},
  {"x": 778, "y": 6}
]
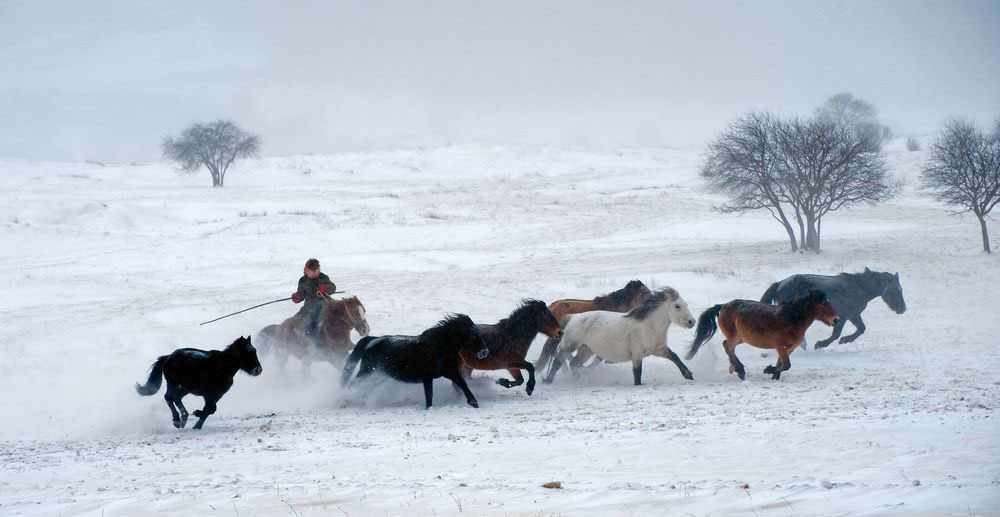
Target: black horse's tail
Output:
[
  {"x": 768, "y": 296},
  {"x": 706, "y": 329},
  {"x": 354, "y": 359},
  {"x": 155, "y": 379}
]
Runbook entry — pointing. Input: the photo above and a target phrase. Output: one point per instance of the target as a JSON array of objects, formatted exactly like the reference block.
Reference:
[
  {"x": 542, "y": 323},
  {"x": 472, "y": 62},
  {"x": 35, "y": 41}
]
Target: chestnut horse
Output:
[
  {"x": 509, "y": 340},
  {"x": 780, "y": 327},
  {"x": 333, "y": 336},
  {"x": 622, "y": 300}
]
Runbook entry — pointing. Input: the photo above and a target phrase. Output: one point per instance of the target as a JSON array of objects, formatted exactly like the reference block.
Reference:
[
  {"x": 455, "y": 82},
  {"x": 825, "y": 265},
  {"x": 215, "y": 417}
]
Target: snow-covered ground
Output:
[{"x": 106, "y": 266}]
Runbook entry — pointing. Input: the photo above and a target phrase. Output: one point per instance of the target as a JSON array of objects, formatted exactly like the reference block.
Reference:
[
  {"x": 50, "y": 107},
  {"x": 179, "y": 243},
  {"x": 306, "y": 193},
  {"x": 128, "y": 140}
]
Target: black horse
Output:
[
  {"x": 423, "y": 358},
  {"x": 207, "y": 374},
  {"x": 849, "y": 293}
]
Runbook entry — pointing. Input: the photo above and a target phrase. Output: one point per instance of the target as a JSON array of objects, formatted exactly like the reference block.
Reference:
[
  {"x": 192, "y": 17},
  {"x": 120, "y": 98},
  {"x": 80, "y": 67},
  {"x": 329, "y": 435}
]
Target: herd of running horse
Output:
[{"x": 626, "y": 325}]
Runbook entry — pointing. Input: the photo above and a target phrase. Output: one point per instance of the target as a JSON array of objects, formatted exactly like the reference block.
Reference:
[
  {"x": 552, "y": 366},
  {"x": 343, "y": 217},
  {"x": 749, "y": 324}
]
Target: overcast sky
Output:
[{"x": 105, "y": 80}]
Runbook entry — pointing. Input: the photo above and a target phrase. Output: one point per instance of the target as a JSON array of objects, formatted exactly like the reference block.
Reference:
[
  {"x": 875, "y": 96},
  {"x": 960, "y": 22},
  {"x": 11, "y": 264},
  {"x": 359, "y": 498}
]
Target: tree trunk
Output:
[
  {"x": 819, "y": 232},
  {"x": 802, "y": 230},
  {"x": 811, "y": 237},
  {"x": 986, "y": 234},
  {"x": 216, "y": 180},
  {"x": 788, "y": 228}
]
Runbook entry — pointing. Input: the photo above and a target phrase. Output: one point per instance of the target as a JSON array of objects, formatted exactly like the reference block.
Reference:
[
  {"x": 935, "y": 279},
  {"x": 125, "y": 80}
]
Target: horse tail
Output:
[
  {"x": 155, "y": 378},
  {"x": 706, "y": 329},
  {"x": 768, "y": 296},
  {"x": 354, "y": 359}
]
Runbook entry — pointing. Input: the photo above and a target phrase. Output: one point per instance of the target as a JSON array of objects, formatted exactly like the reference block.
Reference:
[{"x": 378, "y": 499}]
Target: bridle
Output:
[{"x": 348, "y": 317}]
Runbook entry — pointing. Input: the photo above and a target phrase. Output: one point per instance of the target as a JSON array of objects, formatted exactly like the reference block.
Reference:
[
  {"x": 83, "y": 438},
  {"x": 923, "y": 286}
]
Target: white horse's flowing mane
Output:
[{"x": 650, "y": 303}]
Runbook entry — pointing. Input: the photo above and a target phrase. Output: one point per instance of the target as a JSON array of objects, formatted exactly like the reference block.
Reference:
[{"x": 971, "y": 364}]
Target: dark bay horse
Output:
[
  {"x": 333, "y": 336},
  {"x": 780, "y": 327},
  {"x": 432, "y": 354},
  {"x": 508, "y": 341},
  {"x": 849, "y": 293},
  {"x": 622, "y": 300},
  {"x": 207, "y": 374}
]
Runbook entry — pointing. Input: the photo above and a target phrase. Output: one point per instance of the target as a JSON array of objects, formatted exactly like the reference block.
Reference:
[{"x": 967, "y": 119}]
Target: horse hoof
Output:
[
  {"x": 474, "y": 404},
  {"x": 529, "y": 389},
  {"x": 689, "y": 377},
  {"x": 178, "y": 424},
  {"x": 503, "y": 382}
]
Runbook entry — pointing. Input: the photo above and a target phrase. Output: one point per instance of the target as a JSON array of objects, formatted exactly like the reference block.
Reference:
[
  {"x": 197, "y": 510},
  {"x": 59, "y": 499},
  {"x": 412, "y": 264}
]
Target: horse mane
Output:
[
  {"x": 651, "y": 302},
  {"x": 621, "y": 296},
  {"x": 802, "y": 307},
  {"x": 442, "y": 329},
  {"x": 236, "y": 342},
  {"x": 521, "y": 317}
]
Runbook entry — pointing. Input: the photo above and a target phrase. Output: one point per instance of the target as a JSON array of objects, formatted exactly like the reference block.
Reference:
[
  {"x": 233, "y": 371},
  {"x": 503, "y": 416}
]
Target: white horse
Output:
[{"x": 614, "y": 337}]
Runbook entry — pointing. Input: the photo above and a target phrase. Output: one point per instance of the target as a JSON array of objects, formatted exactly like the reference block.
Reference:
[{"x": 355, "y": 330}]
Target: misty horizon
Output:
[{"x": 108, "y": 81}]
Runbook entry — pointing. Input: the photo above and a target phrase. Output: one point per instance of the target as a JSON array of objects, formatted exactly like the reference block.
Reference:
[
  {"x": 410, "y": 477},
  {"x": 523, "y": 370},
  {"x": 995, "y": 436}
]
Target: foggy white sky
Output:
[{"x": 107, "y": 80}]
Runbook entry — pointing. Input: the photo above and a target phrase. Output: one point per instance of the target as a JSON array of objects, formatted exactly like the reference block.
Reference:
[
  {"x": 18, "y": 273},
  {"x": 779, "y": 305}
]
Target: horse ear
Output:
[
  {"x": 897, "y": 276},
  {"x": 867, "y": 270}
]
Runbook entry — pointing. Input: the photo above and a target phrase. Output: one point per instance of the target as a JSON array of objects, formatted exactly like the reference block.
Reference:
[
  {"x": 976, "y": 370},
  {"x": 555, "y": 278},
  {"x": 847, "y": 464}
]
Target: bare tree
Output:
[
  {"x": 743, "y": 161},
  {"x": 215, "y": 145},
  {"x": 860, "y": 114},
  {"x": 964, "y": 170},
  {"x": 828, "y": 165},
  {"x": 801, "y": 169}
]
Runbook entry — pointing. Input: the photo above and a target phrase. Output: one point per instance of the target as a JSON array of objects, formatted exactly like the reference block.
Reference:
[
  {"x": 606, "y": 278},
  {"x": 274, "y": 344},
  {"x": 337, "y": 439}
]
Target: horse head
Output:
[
  {"x": 349, "y": 311},
  {"x": 246, "y": 356},
  {"x": 356, "y": 315},
  {"x": 822, "y": 308},
  {"x": 679, "y": 312},
  {"x": 544, "y": 320},
  {"x": 892, "y": 295}
]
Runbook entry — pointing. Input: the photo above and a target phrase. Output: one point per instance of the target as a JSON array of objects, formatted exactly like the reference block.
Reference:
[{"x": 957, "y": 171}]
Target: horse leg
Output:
[
  {"x": 558, "y": 358},
  {"x": 583, "y": 354},
  {"x": 428, "y": 392},
  {"x": 170, "y": 397},
  {"x": 837, "y": 329},
  {"x": 734, "y": 362},
  {"x": 203, "y": 413},
  {"x": 556, "y": 364},
  {"x": 677, "y": 361},
  {"x": 783, "y": 364},
  {"x": 531, "y": 376},
  {"x": 516, "y": 374},
  {"x": 859, "y": 326},
  {"x": 281, "y": 356},
  {"x": 457, "y": 379},
  {"x": 306, "y": 362},
  {"x": 637, "y": 371},
  {"x": 179, "y": 394}
]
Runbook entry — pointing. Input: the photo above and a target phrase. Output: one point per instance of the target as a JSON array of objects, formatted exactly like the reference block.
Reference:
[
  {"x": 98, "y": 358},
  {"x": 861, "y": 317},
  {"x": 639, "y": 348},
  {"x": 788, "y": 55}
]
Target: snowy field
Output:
[{"x": 107, "y": 266}]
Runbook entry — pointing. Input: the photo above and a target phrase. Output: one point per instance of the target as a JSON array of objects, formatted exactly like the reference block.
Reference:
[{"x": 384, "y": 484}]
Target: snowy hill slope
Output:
[{"x": 107, "y": 266}]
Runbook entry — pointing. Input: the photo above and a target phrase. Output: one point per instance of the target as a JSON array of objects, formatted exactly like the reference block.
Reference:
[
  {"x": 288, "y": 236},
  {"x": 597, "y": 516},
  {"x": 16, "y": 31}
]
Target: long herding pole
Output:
[{"x": 254, "y": 307}]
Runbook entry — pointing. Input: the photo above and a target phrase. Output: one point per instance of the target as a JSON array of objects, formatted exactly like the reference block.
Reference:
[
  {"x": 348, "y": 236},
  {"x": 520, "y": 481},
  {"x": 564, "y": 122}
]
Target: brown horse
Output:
[
  {"x": 780, "y": 327},
  {"x": 508, "y": 342},
  {"x": 622, "y": 300},
  {"x": 333, "y": 337}
]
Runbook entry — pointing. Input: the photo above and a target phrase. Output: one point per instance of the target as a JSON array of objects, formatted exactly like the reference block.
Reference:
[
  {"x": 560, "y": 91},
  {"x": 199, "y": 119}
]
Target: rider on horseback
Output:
[{"x": 313, "y": 286}]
